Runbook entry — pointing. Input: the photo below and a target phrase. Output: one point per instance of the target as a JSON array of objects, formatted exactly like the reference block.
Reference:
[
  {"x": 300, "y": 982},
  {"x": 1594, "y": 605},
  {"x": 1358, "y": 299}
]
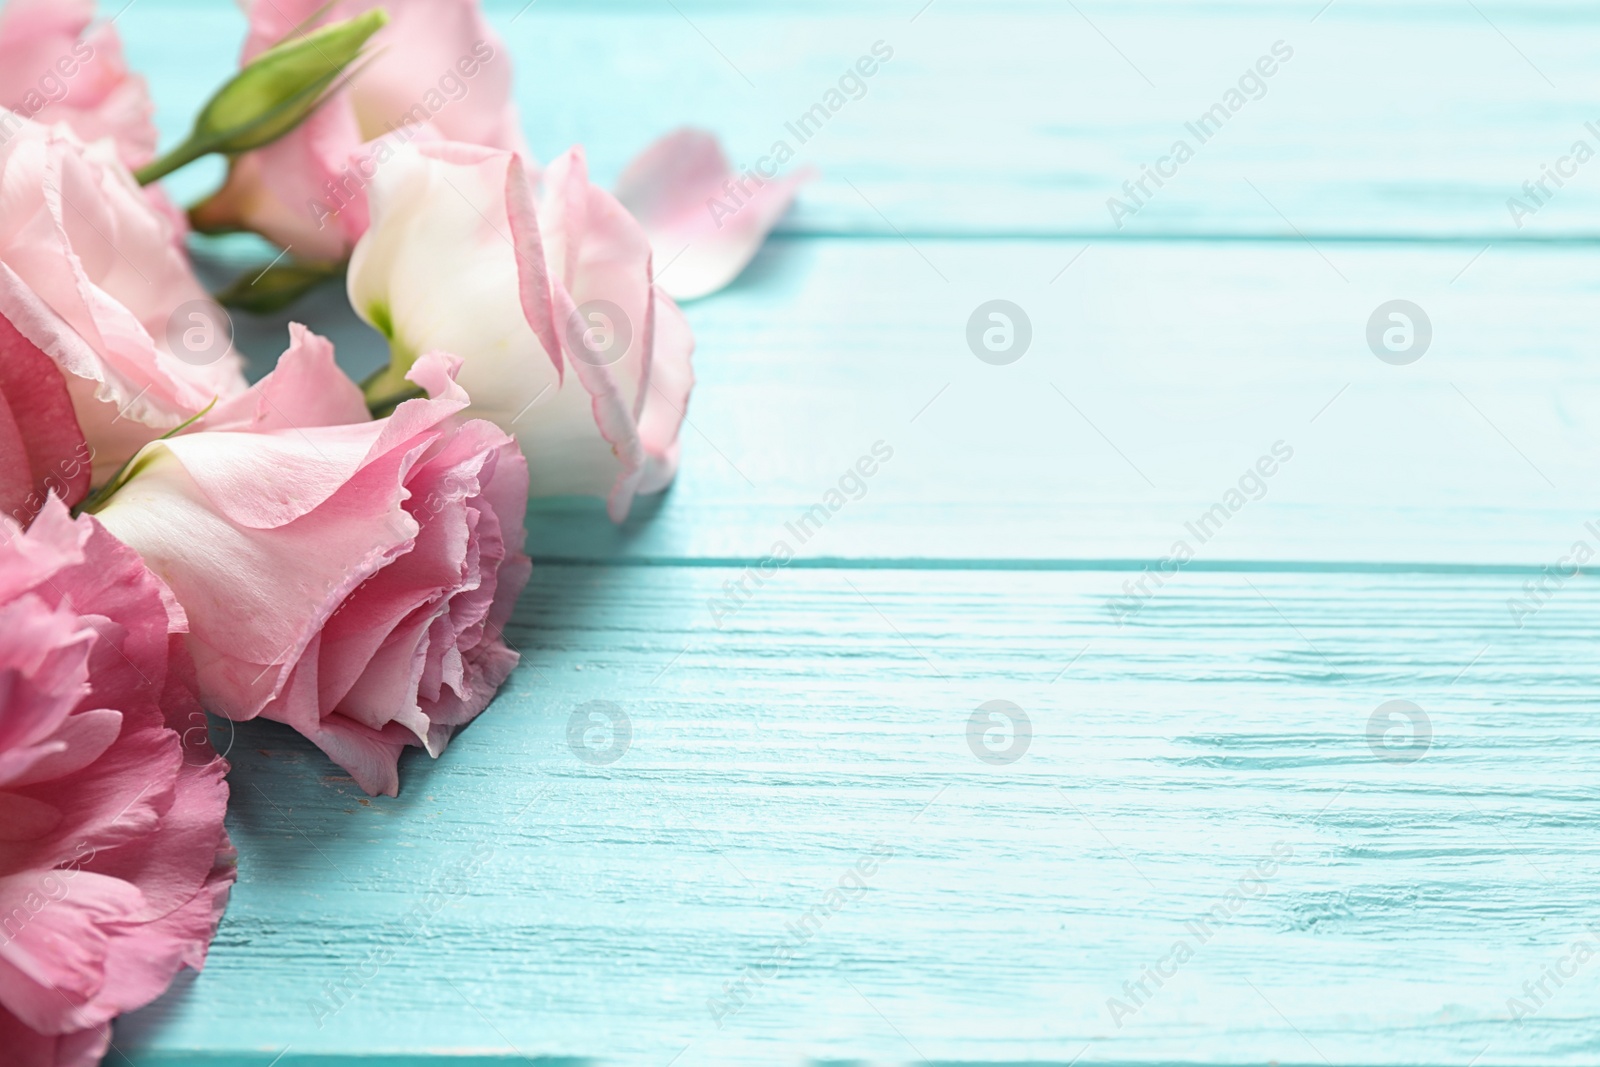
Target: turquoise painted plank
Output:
[
  {"x": 598, "y": 909},
  {"x": 1158, "y": 375},
  {"x": 1026, "y": 118}
]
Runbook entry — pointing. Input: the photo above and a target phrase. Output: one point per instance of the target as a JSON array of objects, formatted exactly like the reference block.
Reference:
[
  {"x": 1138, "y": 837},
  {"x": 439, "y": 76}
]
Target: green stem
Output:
[
  {"x": 181, "y": 156},
  {"x": 264, "y": 292}
]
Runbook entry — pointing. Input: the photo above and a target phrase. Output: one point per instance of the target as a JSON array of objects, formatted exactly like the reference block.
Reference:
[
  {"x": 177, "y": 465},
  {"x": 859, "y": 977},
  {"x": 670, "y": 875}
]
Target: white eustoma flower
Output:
[{"x": 549, "y": 299}]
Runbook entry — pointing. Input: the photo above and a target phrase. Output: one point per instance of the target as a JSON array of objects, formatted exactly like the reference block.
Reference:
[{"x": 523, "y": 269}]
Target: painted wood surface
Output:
[
  {"x": 1158, "y": 375},
  {"x": 522, "y": 900},
  {"x": 831, "y": 713},
  {"x": 1417, "y": 120}
]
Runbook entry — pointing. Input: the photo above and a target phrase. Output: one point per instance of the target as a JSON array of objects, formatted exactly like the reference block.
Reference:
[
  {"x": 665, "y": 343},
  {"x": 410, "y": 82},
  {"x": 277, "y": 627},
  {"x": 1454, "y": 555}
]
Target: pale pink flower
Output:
[
  {"x": 91, "y": 274},
  {"x": 348, "y": 576},
  {"x": 52, "y": 72}
]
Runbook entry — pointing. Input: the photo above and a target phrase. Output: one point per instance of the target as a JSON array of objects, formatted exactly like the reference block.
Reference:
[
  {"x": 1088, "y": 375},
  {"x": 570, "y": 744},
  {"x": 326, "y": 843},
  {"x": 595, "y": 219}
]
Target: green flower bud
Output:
[{"x": 273, "y": 94}]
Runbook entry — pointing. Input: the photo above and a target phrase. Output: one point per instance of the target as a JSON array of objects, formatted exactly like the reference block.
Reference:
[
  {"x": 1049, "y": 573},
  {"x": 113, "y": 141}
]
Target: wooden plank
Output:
[
  {"x": 830, "y": 717},
  {"x": 1025, "y": 118},
  {"x": 1158, "y": 375}
]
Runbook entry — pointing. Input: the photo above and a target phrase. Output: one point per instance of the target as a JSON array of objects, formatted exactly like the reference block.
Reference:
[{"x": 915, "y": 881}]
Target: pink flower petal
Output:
[
  {"x": 51, "y": 72},
  {"x": 41, "y": 448},
  {"x": 306, "y": 388},
  {"x": 705, "y": 221}
]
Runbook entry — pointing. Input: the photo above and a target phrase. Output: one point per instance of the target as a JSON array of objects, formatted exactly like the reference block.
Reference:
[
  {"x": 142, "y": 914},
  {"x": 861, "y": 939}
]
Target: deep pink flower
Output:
[
  {"x": 52, "y": 72},
  {"x": 42, "y": 451},
  {"x": 114, "y": 865},
  {"x": 348, "y": 576}
]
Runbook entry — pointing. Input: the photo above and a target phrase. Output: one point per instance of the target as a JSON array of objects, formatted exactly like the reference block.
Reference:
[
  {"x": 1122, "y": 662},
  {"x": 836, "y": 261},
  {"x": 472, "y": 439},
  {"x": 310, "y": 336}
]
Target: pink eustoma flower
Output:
[
  {"x": 347, "y": 576},
  {"x": 50, "y": 70},
  {"x": 90, "y": 273},
  {"x": 547, "y": 295},
  {"x": 436, "y": 71},
  {"x": 42, "y": 451},
  {"x": 114, "y": 865}
]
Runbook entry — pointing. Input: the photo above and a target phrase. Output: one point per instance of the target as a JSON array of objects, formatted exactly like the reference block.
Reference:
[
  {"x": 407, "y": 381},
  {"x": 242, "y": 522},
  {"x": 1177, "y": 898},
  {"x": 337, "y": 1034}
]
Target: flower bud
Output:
[{"x": 273, "y": 93}]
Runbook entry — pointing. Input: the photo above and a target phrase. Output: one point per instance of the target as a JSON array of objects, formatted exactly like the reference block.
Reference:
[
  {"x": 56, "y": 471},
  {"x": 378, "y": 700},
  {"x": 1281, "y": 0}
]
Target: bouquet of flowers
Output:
[{"x": 337, "y": 556}]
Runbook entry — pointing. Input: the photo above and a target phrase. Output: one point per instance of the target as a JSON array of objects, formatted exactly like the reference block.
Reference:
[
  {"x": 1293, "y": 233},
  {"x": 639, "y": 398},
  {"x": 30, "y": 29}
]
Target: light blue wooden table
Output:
[{"x": 682, "y": 904}]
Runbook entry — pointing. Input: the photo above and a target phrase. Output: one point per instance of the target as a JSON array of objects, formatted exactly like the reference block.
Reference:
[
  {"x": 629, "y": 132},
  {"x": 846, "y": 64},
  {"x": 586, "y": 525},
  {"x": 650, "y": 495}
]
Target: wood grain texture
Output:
[
  {"x": 528, "y": 904},
  {"x": 1024, "y": 118},
  {"x": 830, "y": 715},
  {"x": 1159, "y": 373}
]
